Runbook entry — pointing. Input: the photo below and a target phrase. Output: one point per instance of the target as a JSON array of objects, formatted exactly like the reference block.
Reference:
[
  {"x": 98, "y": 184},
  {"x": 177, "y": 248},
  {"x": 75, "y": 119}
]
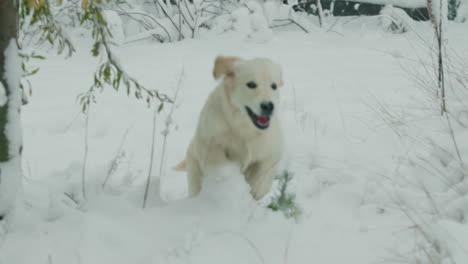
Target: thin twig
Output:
[
  {"x": 288, "y": 245},
  {"x": 320, "y": 12},
  {"x": 85, "y": 155},
  {"x": 116, "y": 157},
  {"x": 67, "y": 128},
  {"x": 454, "y": 141},
  {"x": 150, "y": 170},
  {"x": 333, "y": 25},
  {"x": 188, "y": 9},
  {"x": 129, "y": 14},
  {"x": 71, "y": 198},
  {"x": 168, "y": 124},
  {"x": 282, "y": 25},
  {"x": 294, "y": 22},
  {"x": 180, "y": 20},
  {"x": 181, "y": 15},
  {"x": 168, "y": 17}
]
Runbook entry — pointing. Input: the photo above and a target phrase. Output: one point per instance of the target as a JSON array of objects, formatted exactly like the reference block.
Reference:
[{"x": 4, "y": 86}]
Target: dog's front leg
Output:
[
  {"x": 198, "y": 165},
  {"x": 259, "y": 176},
  {"x": 194, "y": 175}
]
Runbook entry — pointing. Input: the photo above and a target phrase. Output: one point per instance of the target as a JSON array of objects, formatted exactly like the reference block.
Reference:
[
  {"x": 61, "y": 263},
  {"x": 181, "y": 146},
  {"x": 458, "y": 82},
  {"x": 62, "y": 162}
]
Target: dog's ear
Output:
[{"x": 224, "y": 66}]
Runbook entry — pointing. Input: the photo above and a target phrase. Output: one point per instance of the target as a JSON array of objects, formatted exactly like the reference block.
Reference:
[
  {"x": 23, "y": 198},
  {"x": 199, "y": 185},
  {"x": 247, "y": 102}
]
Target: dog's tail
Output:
[{"x": 182, "y": 166}]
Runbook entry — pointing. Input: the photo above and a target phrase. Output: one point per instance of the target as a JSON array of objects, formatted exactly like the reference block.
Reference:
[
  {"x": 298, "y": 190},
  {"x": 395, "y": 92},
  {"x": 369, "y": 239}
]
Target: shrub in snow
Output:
[
  {"x": 395, "y": 19},
  {"x": 168, "y": 21},
  {"x": 283, "y": 200},
  {"x": 225, "y": 188},
  {"x": 437, "y": 204},
  {"x": 433, "y": 192}
]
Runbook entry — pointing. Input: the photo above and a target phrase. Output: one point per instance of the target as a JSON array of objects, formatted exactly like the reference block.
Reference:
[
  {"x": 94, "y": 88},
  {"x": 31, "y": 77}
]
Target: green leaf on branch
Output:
[{"x": 283, "y": 200}]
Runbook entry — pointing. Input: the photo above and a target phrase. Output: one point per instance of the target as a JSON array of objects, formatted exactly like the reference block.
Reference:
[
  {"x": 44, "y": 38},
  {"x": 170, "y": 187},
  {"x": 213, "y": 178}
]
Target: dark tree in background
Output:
[{"x": 359, "y": 8}]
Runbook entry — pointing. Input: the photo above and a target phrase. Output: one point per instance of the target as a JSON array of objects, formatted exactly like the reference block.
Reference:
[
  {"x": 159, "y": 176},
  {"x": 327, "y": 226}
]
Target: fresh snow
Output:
[{"x": 356, "y": 125}]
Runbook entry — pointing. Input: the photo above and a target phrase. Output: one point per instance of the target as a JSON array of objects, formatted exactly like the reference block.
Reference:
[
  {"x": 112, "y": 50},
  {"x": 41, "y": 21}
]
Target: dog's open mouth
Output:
[{"x": 260, "y": 121}]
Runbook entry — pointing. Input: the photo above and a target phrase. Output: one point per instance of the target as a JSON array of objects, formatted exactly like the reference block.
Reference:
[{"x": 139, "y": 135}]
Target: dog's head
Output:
[{"x": 252, "y": 86}]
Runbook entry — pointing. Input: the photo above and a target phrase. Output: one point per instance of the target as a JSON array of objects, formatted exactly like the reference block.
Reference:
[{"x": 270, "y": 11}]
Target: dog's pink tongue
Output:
[{"x": 263, "y": 120}]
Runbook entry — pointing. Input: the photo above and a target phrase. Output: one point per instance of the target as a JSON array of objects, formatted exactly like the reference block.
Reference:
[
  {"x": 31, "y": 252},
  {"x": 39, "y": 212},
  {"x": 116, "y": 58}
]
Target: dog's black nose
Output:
[{"x": 267, "y": 108}]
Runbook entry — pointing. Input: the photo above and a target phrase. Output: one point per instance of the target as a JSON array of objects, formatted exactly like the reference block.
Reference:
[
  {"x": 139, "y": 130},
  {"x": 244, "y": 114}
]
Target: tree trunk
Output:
[
  {"x": 10, "y": 102},
  {"x": 320, "y": 12}
]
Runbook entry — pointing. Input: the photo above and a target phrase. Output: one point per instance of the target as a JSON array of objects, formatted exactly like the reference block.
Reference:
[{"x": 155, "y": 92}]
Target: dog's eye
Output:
[
  {"x": 251, "y": 85},
  {"x": 274, "y": 86}
]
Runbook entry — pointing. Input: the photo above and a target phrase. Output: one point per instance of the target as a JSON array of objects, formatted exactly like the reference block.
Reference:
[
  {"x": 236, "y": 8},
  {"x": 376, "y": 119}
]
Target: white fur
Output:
[{"x": 225, "y": 131}]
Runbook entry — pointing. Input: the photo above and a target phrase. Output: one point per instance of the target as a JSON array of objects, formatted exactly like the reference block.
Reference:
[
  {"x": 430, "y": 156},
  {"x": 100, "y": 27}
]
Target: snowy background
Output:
[{"x": 376, "y": 174}]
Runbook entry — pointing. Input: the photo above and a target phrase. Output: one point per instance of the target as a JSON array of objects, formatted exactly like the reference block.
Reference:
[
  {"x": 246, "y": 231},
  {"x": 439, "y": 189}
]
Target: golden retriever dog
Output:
[{"x": 238, "y": 123}]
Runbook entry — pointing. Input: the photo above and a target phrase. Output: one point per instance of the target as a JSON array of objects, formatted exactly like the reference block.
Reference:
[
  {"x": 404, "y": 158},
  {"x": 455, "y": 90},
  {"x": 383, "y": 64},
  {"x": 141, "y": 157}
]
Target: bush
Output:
[{"x": 283, "y": 200}]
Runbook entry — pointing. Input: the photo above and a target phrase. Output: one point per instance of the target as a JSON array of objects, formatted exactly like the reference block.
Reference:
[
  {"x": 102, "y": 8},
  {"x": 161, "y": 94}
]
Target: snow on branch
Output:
[{"x": 111, "y": 72}]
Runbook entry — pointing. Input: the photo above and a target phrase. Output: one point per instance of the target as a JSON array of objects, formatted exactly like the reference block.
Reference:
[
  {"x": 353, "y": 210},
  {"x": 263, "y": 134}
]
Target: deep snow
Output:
[{"x": 343, "y": 155}]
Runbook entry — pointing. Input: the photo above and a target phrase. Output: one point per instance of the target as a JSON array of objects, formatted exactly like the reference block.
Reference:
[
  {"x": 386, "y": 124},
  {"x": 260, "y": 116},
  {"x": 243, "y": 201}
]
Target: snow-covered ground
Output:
[{"x": 347, "y": 154}]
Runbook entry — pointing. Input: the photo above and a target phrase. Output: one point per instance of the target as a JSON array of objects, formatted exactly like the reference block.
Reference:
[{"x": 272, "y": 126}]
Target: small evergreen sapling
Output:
[{"x": 283, "y": 200}]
